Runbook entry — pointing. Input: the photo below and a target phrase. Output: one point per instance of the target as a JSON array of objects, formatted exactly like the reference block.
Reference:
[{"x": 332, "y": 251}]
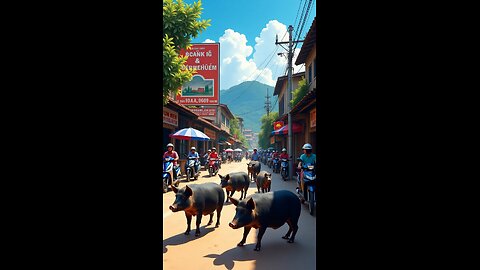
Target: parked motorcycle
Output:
[
  {"x": 213, "y": 166},
  {"x": 276, "y": 165},
  {"x": 284, "y": 169},
  {"x": 168, "y": 174},
  {"x": 192, "y": 163},
  {"x": 308, "y": 192}
]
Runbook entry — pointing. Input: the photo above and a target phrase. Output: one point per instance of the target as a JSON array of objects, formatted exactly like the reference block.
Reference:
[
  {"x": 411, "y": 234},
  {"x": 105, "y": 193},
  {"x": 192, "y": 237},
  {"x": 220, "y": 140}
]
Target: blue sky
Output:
[{"x": 246, "y": 32}]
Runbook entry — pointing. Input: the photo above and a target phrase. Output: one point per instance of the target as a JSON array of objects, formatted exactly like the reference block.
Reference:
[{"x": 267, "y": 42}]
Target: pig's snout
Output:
[
  {"x": 173, "y": 208},
  {"x": 234, "y": 226}
]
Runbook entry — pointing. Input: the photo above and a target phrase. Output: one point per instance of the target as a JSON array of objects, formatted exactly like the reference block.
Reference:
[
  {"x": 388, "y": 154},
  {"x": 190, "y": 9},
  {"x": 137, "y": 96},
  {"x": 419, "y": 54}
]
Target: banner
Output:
[
  {"x": 170, "y": 117},
  {"x": 204, "y": 88}
]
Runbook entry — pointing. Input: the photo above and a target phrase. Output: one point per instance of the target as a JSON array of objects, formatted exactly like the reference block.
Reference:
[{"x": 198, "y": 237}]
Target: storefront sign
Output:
[
  {"x": 313, "y": 118},
  {"x": 272, "y": 140},
  {"x": 210, "y": 134},
  {"x": 170, "y": 117},
  {"x": 210, "y": 111},
  {"x": 204, "y": 88}
]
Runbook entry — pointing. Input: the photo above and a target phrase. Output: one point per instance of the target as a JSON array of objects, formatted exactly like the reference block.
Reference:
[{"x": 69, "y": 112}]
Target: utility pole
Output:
[
  {"x": 289, "y": 96},
  {"x": 267, "y": 104}
]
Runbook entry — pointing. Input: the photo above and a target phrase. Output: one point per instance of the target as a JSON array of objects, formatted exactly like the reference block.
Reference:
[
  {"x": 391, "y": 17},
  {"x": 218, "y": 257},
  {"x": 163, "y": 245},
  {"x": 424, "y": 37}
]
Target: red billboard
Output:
[{"x": 204, "y": 88}]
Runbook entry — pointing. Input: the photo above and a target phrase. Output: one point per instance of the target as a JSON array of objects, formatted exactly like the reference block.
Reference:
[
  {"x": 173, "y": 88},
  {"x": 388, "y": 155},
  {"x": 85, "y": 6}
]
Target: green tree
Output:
[
  {"x": 299, "y": 93},
  {"x": 180, "y": 25},
  {"x": 235, "y": 130},
  {"x": 266, "y": 129}
]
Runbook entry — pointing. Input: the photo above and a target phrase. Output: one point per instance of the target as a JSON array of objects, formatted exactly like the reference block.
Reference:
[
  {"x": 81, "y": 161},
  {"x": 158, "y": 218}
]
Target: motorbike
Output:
[
  {"x": 276, "y": 165},
  {"x": 213, "y": 166},
  {"x": 168, "y": 174},
  {"x": 192, "y": 163},
  {"x": 269, "y": 162},
  {"x": 284, "y": 169},
  {"x": 308, "y": 192}
]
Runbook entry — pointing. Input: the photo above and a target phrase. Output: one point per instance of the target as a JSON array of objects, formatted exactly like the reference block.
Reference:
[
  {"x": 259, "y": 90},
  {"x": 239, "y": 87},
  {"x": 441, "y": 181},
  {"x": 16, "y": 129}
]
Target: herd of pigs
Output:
[{"x": 262, "y": 210}]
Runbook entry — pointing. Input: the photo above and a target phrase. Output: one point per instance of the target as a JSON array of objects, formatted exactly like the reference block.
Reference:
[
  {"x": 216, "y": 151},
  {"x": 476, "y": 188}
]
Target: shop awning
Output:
[{"x": 297, "y": 128}]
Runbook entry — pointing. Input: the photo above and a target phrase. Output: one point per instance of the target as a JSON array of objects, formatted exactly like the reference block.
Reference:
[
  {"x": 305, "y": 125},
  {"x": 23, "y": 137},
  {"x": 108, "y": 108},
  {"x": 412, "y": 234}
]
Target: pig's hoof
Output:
[
  {"x": 209, "y": 223},
  {"x": 290, "y": 241},
  {"x": 240, "y": 244},
  {"x": 197, "y": 234},
  {"x": 257, "y": 249},
  {"x": 285, "y": 237},
  {"x": 216, "y": 225},
  {"x": 187, "y": 233}
]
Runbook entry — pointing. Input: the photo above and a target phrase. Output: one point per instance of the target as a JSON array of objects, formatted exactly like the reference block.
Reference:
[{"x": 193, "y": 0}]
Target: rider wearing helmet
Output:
[
  {"x": 214, "y": 154},
  {"x": 193, "y": 153},
  {"x": 306, "y": 158},
  {"x": 171, "y": 153},
  {"x": 284, "y": 154}
]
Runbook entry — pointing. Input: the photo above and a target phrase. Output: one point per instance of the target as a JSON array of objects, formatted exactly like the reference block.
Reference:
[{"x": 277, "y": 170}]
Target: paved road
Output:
[{"x": 216, "y": 248}]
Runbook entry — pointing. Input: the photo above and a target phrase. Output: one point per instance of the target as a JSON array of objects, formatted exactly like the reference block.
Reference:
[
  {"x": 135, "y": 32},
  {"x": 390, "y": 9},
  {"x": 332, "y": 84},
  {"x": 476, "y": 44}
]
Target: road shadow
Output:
[
  {"x": 181, "y": 238},
  {"x": 275, "y": 255}
]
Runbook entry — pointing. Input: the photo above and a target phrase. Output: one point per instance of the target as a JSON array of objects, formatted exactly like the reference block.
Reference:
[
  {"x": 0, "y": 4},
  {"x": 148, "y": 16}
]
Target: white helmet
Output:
[
  {"x": 307, "y": 146},
  {"x": 193, "y": 148},
  {"x": 284, "y": 150},
  {"x": 170, "y": 144}
]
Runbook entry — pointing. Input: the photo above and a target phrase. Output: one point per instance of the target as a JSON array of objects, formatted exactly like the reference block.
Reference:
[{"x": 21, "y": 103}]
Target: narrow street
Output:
[{"x": 216, "y": 248}]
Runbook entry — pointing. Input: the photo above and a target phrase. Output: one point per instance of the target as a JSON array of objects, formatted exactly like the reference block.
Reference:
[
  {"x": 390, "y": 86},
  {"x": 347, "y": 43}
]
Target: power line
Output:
[{"x": 303, "y": 23}]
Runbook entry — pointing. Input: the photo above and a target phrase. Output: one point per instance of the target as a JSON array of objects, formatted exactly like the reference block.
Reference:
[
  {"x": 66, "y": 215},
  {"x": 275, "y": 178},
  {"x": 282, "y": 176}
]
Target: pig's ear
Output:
[
  {"x": 227, "y": 176},
  {"x": 250, "y": 204},
  {"x": 266, "y": 175},
  {"x": 269, "y": 175},
  {"x": 221, "y": 177},
  {"x": 234, "y": 201},
  {"x": 175, "y": 190},
  {"x": 188, "y": 191}
]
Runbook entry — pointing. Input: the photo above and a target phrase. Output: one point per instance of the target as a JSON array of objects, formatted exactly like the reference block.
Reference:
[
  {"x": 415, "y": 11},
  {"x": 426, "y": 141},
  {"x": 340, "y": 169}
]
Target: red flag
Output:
[{"x": 277, "y": 125}]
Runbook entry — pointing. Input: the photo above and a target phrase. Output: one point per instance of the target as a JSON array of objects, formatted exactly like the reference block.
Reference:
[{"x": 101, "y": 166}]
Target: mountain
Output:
[{"x": 247, "y": 100}]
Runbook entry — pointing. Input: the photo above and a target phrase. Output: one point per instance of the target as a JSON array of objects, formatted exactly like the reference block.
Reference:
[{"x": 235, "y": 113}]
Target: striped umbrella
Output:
[{"x": 190, "y": 134}]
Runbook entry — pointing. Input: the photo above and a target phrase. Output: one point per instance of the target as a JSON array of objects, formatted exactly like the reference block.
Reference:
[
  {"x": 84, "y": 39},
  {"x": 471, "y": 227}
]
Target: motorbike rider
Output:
[
  {"x": 255, "y": 155},
  {"x": 193, "y": 153},
  {"x": 206, "y": 157},
  {"x": 306, "y": 158},
  {"x": 171, "y": 153},
  {"x": 214, "y": 154},
  {"x": 284, "y": 154}
]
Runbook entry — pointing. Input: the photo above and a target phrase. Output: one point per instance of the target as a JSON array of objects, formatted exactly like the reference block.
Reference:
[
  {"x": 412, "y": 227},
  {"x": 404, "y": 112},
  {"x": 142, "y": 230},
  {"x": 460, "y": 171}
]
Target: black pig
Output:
[
  {"x": 263, "y": 210},
  {"x": 198, "y": 200},
  {"x": 236, "y": 181},
  {"x": 253, "y": 169}
]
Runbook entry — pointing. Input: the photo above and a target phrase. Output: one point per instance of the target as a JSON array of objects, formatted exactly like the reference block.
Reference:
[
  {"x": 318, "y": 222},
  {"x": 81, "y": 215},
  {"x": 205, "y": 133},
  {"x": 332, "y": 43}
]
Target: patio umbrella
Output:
[
  {"x": 190, "y": 134},
  {"x": 229, "y": 150},
  {"x": 238, "y": 150}
]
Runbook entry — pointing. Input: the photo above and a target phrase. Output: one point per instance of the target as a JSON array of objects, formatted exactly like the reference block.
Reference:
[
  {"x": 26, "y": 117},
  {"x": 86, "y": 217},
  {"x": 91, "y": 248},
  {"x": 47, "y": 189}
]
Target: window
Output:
[{"x": 315, "y": 67}]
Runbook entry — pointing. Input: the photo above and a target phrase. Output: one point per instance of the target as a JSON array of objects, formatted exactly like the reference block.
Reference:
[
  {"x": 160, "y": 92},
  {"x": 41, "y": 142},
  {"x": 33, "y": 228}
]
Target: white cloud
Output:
[
  {"x": 209, "y": 41},
  {"x": 239, "y": 65}
]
